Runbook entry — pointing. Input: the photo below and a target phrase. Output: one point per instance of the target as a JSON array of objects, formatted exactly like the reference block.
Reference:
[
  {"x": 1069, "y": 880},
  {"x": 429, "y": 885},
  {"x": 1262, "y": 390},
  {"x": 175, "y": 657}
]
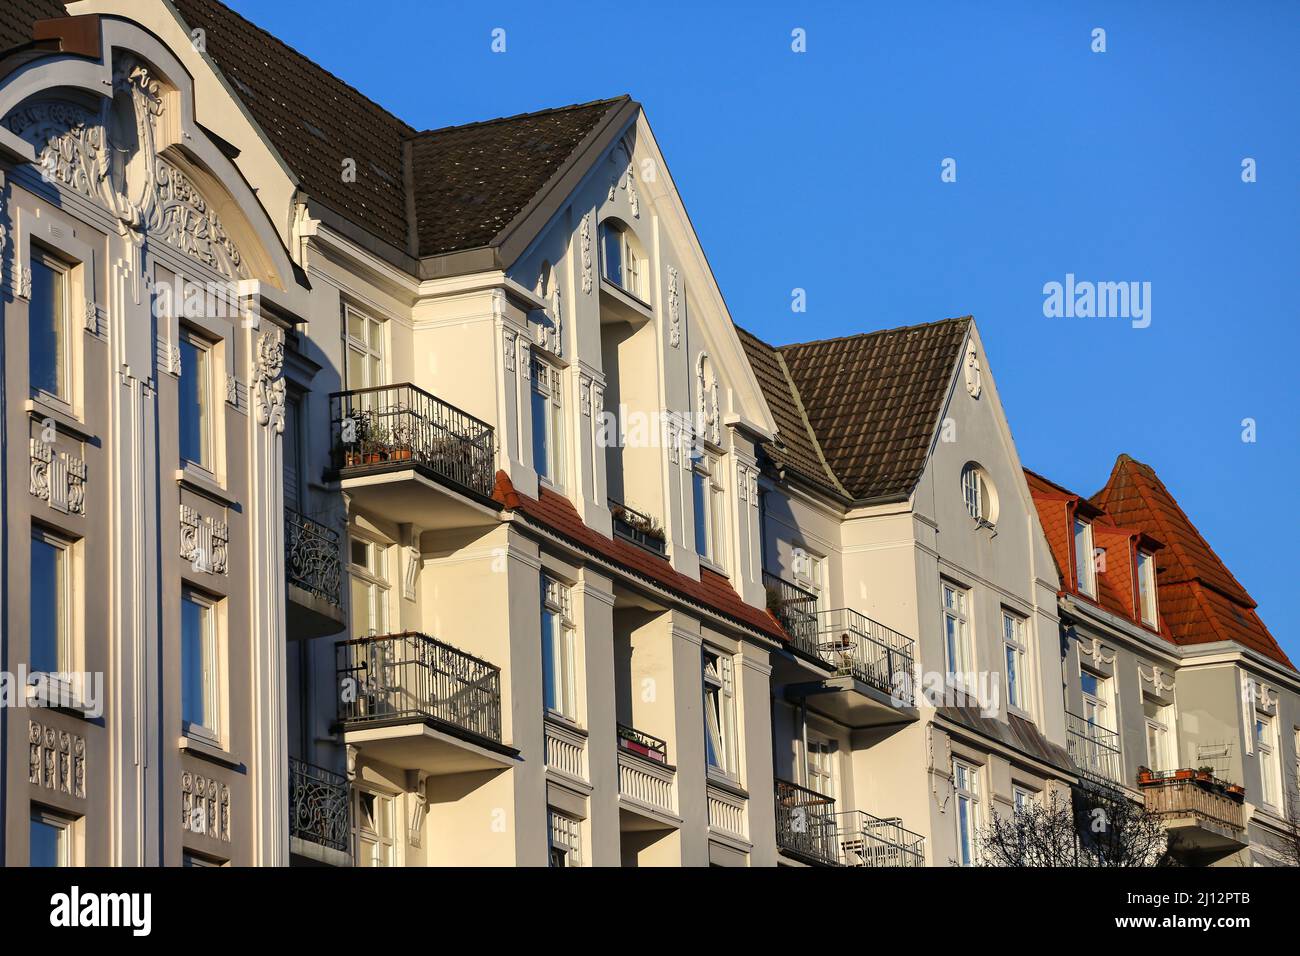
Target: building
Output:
[{"x": 385, "y": 496}]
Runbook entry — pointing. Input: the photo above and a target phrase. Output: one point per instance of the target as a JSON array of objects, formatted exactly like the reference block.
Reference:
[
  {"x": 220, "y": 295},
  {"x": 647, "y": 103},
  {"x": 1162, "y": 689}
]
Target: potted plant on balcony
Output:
[
  {"x": 1205, "y": 774},
  {"x": 1235, "y": 792},
  {"x": 361, "y": 426},
  {"x": 400, "y": 442},
  {"x": 1146, "y": 777}
]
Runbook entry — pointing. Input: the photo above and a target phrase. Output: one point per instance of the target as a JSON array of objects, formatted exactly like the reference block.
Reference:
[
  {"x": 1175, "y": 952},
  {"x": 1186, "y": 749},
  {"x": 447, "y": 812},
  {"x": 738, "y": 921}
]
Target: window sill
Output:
[
  {"x": 631, "y": 299},
  {"x": 204, "y": 483},
  {"x": 59, "y": 698},
  {"x": 715, "y": 778},
  {"x": 565, "y": 723},
  {"x": 40, "y": 408},
  {"x": 717, "y": 569},
  {"x": 206, "y": 750}
]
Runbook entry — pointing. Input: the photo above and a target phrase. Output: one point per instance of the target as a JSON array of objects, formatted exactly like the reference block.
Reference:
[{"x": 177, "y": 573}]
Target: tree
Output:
[
  {"x": 1093, "y": 828},
  {"x": 1287, "y": 849}
]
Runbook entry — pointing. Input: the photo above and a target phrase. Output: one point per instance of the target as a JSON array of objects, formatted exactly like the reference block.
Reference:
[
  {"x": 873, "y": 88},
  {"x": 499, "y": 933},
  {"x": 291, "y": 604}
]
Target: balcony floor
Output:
[
  {"x": 851, "y": 702},
  {"x": 405, "y": 493},
  {"x": 416, "y": 745}
]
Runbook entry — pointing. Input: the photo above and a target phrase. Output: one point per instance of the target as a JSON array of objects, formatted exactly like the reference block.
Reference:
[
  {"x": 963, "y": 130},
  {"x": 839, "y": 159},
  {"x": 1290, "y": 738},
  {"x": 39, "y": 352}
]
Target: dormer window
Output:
[
  {"x": 620, "y": 261},
  {"x": 1085, "y": 570},
  {"x": 1146, "y": 579}
]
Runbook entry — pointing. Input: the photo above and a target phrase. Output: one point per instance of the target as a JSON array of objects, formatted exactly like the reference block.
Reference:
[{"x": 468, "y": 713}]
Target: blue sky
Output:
[{"x": 821, "y": 171}]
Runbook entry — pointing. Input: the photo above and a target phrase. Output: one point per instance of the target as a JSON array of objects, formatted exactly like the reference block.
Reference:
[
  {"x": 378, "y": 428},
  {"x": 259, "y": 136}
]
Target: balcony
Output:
[
  {"x": 640, "y": 529},
  {"x": 647, "y": 798},
  {"x": 1094, "y": 750},
  {"x": 873, "y": 667},
  {"x": 319, "y": 827},
  {"x": 1202, "y": 813},
  {"x": 642, "y": 744},
  {"x": 865, "y": 840},
  {"x": 313, "y": 575},
  {"x": 393, "y": 445},
  {"x": 796, "y": 610},
  {"x": 419, "y": 704},
  {"x": 806, "y": 825}
]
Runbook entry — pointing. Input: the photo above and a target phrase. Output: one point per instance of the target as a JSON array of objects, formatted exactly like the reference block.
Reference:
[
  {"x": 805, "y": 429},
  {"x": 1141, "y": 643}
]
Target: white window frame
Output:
[
  {"x": 373, "y": 576},
  {"x": 546, "y": 394},
  {"x": 630, "y": 260},
  {"x": 206, "y": 351},
  {"x": 978, "y": 495},
  {"x": 1098, "y": 708},
  {"x": 63, "y": 327},
  {"x": 958, "y": 613},
  {"x": 966, "y": 810},
  {"x": 1270, "y": 766},
  {"x": 213, "y": 688},
  {"x": 69, "y": 845},
  {"x": 1161, "y": 727},
  {"x": 821, "y": 752},
  {"x": 1022, "y": 798},
  {"x": 1015, "y": 655},
  {"x": 381, "y": 846},
  {"x": 706, "y": 479},
  {"x": 370, "y": 347},
  {"x": 718, "y": 670},
  {"x": 563, "y": 839},
  {"x": 559, "y": 647},
  {"x": 67, "y": 616},
  {"x": 1149, "y": 609},
  {"x": 1085, "y": 570}
]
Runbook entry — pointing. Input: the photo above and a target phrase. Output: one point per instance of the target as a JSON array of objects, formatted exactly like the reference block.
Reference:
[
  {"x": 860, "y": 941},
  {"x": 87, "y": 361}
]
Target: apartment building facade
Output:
[{"x": 420, "y": 503}]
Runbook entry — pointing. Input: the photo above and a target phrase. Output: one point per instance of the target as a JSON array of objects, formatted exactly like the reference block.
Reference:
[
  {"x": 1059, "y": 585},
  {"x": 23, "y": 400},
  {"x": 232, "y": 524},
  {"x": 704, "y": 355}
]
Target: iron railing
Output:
[
  {"x": 795, "y": 609},
  {"x": 642, "y": 744},
  {"x": 805, "y": 823},
  {"x": 1186, "y": 793},
  {"x": 865, "y": 840},
  {"x": 318, "y": 806},
  {"x": 410, "y": 676},
  {"x": 1093, "y": 748},
  {"x": 311, "y": 557},
  {"x": 402, "y": 425},
  {"x": 868, "y": 651},
  {"x": 640, "y": 529}
]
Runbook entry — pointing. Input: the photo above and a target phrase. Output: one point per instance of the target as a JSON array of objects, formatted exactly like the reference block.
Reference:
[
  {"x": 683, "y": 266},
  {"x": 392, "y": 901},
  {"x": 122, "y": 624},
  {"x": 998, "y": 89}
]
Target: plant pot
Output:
[
  {"x": 400, "y": 454},
  {"x": 1184, "y": 774},
  {"x": 1146, "y": 776}
]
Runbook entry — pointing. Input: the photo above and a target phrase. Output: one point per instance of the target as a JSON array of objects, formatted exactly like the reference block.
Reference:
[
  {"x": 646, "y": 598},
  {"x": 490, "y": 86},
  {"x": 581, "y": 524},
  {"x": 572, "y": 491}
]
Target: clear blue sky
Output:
[{"x": 821, "y": 171}]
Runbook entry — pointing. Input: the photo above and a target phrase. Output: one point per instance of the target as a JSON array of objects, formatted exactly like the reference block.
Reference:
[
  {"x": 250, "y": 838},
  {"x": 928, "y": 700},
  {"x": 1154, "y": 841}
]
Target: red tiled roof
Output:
[
  {"x": 1200, "y": 599},
  {"x": 557, "y": 514}
]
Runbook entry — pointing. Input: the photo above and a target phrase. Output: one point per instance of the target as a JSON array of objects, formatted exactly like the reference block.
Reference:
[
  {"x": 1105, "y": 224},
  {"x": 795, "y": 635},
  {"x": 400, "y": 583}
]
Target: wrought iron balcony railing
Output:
[
  {"x": 404, "y": 426},
  {"x": 1093, "y": 748},
  {"x": 318, "y": 806},
  {"x": 805, "y": 824},
  {"x": 796, "y": 609},
  {"x": 411, "y": 677},
  {"x": 640, "y": 529},
  {"x": 865, "y": 840},
  {"x": 641, "y": 744},
  {"x": 870, "y": 652},
  {"x": 311, "y": 557}
]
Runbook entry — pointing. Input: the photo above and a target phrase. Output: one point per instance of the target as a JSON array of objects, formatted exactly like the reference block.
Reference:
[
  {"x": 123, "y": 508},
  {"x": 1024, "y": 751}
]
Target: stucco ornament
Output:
[
  {"x": 268, "y": 387},
  {"x": 707, "y": 405},
  {"x": 974, "y": 374},
  {"x": 584, "y": 237},
  {"x": 674, "y": 308}
]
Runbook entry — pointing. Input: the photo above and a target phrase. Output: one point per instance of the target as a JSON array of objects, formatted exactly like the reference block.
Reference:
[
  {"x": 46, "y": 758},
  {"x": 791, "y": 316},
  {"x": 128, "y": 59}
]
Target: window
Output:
[
  {"x": 363, "y": 339},
  {"x": 706, "y": 487},
  {"x": 1096, "y": 699},
  {"x": 48, "y": 336},
  {"x": 619, "y": 261},
  {"x": 1269, "y": 767},
  {"x": 1013, "y": 643},
  {"x": 373, "y": 815},
  {"x": 1022, "y": 798},
  {"x": 50, "y": 838},
  {"x": 821, "y": 765},
  {"x": 200, "y": 686},
  {"x": 977, "y": 491},
  {"x": 368, "y": 572},
  {"x": 719, "y": 714},
  {"x": 965, "y": 781},
  {"x": 565, "y": 841},
  {"x": 50, "y": 601},
  {"x": 293, "y": 453},
  {"x": 548, "y": 421},
  {"x": 199, "y": 860},
  {"x": 196, "y": 401},
  {"x": 559, "y": 682},
  {"x": 956, "y": 628},
  {"x": 1084, "y": 567},
  {"x": 1147, "y": 587},
  {"x": 1159, "y": 751}
]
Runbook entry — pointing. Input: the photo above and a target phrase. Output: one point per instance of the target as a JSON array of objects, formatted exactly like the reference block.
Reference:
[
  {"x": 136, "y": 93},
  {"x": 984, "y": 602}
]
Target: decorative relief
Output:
[
  {"x": 753, "y": 488},
  {"x": 56, "y": 760},
  {"x": 584, "y": 235},
  {"x": 707, "y": 406},
  {"x": 111, "y": 157},
  {"x": 974, "y": 374},
  {"x": 57, "y": 478},
  {"x": 232, "y": 390},
  {"x": 205, "y": 543},
  {"x": 24, "y": 283},
  {"x": 584, "y": 394},
  {"x": 597, "y": 397},
  {"x": 674, "y": 309},
  {"x": 672, "y": 434},
  {"x": 1157, "y": 677},
  {"x": 1095, "y": 650},
  {"x": 411, "y": 573},
  {"x": 205, "y": 806},
  {"x": 268, "y": 386},
  {"x": 508, "y": 349},
  {"x": 90, "y": 317}
]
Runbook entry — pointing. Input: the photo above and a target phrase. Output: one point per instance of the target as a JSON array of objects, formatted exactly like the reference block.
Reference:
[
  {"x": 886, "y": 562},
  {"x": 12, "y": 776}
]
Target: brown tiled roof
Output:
[
  {"x": 712, "y": 591},
  {"x": 467, "y": 182},
  {"x": 472, "y": 181},
  {"x": 870, "y": 402},
  {"x": 1201, "y": 601}
]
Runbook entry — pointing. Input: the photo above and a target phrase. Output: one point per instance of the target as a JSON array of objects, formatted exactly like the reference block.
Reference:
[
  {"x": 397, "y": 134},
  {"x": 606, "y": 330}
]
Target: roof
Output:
[
  {"x": 464, "y": 184},
  {"x": 1200, "y": 599},
  {"x": 712, "y": 591},
  {"x": 860, "y": 411}
]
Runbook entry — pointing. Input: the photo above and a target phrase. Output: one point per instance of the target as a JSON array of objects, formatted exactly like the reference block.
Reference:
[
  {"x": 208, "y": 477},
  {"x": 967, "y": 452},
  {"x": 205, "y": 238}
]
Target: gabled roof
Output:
[
  {"x": 861, "y": 411},
  {"x": 1205, "y": 603},
  {"x": 422, "y": 193}
]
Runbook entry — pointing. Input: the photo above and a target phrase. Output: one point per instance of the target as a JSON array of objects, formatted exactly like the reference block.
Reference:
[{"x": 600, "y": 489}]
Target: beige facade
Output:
[{"x": 404, "y": 554}]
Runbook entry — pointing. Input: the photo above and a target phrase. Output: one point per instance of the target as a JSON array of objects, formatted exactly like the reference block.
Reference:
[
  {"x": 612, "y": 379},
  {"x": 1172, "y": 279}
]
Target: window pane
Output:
[
  {"x": 1083, "y": 556},
  {"x": 700, "y": 489},
  {"x": 541, "y": 438},
  {"x": 193, "y": 663},
  {"x": 48, "y": 844},
  {"x": 356, "y": 369},
  {"x": 1013, "y": 678},
  {"x": 552, "y": 695},
  {"x": 47, "y": 339},
  {"x": 194, "y": 392},
  {"x": 612, "y": 253},
  {"x": 48, "y": 613}
]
